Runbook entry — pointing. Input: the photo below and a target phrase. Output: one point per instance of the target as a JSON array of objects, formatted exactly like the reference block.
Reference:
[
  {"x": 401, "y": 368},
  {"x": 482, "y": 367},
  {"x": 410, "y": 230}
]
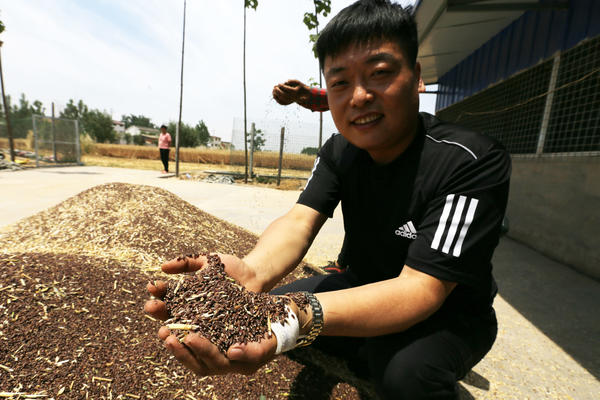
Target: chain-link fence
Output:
[
  {"x": 297, "y": 142},
  {"x": 41, "y": 140},
  {"x": 552, "y": 108}
]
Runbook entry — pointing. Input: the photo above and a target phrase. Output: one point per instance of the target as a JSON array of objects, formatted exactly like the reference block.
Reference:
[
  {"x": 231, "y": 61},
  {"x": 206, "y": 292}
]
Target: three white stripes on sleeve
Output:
[{"x": 455, "y": 216}]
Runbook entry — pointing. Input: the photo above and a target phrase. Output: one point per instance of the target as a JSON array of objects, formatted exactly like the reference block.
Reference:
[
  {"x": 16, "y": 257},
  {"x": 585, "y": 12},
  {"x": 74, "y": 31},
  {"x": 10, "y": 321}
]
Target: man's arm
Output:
[
  {"x": 315, "y": 99},
  {"x": 294, "y": 91},
  {"x": 281, "y": 247},
  {"x": 383, "y": 307}
]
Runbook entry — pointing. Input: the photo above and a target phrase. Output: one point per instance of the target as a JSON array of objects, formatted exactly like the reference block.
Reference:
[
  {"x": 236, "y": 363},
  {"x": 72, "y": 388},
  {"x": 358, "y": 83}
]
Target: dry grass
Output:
[
  {"x": 21, "y": 144},
  {"x": 267, "y": 159},
  {"x": 195, "y": 169}
]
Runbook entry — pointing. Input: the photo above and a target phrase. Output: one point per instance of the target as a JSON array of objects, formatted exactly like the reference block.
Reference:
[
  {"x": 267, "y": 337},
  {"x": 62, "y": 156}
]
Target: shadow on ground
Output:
[
  {"x": 559, "y": 301},
  {"x": 70, "y": 172}
]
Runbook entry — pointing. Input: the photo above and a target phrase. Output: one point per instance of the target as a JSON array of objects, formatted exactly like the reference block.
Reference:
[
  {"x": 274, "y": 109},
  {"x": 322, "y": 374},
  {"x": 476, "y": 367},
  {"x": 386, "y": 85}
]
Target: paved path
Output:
[{"x": 548, "y": 344}]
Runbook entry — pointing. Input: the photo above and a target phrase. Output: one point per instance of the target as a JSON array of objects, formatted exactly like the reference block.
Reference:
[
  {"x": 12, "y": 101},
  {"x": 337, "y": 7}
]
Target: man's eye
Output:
[
  {"x": 381, "y": 72},
  {"x": 338, "y": 83}
]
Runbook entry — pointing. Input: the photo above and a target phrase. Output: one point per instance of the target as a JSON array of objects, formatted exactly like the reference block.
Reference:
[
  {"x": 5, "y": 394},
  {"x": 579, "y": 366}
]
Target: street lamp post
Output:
[
  {"x": 11, "y": 142},
  {"x": 180, "y": 97}
]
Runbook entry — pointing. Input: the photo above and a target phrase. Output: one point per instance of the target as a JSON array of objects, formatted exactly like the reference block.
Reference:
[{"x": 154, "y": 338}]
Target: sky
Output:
[{"x": 124, "y": 57}]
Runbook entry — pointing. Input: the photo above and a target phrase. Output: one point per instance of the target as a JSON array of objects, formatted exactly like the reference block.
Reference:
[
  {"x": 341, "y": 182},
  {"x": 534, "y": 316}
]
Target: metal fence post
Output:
[
  {"x": 280, "y": 155},
  {"x": 548, "y": 106},
  {"x": 35, "y": 141},
  {"x": 54, "y": 137},
  {"x": 77, "y": 144},
  {"x": 252, "y": 133}
]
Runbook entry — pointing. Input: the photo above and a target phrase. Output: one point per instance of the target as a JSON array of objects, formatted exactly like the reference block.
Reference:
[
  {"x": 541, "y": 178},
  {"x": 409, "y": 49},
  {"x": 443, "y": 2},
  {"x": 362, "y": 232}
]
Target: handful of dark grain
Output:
[{"x": 217, "y": 307}]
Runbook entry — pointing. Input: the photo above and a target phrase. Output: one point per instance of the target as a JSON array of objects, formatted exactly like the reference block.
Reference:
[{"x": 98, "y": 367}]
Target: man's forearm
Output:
[
  {"x": 281, "y": 247},
  {"x": 385, "y": 307}
]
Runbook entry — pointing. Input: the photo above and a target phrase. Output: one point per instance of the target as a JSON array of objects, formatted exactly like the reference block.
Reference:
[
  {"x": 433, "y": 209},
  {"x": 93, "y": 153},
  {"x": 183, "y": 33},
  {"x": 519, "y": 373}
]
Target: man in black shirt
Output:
[{"x": 422, "y": 201}]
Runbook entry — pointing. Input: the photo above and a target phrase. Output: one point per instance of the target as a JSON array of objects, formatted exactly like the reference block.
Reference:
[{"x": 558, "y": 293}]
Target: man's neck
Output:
[{"x": 386, "y": 156}]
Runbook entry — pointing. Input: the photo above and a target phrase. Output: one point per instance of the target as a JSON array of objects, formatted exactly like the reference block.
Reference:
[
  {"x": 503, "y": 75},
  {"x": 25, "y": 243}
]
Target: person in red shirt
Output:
[
  {"x": 315, "y": 99},
  {"x": 164, "y": 141}
]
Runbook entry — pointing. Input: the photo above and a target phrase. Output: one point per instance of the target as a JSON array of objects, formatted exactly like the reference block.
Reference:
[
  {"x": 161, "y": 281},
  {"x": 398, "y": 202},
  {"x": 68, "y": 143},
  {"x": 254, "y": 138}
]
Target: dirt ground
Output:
[{"x": 72, "y": 322}]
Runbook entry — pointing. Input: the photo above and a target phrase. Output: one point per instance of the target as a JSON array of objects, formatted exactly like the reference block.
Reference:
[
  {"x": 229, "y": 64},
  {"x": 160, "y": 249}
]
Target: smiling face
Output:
[{"x": 373, "y": 96}]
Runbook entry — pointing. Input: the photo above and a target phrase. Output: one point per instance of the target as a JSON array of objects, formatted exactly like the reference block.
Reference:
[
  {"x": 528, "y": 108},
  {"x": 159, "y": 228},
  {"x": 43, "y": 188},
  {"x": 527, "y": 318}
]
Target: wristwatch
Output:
[{"x": 317, "y": 321}]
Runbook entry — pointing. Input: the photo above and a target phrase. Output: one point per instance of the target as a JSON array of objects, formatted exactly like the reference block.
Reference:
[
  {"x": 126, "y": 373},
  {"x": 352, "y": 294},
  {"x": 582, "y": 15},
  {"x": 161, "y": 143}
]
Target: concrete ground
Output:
[{"x": 548, "y": 344}]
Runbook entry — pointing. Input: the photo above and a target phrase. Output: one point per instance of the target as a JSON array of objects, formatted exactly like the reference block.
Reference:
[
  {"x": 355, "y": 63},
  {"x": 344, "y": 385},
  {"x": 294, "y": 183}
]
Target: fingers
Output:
[
  {"x": 163, "y": 333},
  {"x": 253, "y": 352},
  {"x": 156, "y": 309},
  {"x": 289, "y": 90},
  {"x": 157, "y": 289},
  {"x": 204, "y": 358},
  {"x": 293, "y": 83},
  {"x": 184, "y": 355},
  {"x": 280, "y": 97},
  {"x": 204, "y": 350},
  {"x": 184, "y": 264}
]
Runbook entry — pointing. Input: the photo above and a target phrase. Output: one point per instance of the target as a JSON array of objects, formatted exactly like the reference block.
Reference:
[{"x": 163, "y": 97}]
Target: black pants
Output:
[
  {"x": 164, "y": 157},
  {"x": 423, "y": 362}
]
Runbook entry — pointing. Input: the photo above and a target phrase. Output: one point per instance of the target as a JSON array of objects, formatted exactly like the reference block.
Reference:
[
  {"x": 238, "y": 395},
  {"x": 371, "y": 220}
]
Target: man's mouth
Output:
[{"x": 367, "y": 119}]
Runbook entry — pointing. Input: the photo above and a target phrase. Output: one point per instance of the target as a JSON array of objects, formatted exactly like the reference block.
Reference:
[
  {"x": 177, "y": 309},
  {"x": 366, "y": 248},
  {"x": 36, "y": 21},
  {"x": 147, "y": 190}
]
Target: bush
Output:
[
  {"x": 311, "y": 151},
  {"x": 138, "y": 140}
]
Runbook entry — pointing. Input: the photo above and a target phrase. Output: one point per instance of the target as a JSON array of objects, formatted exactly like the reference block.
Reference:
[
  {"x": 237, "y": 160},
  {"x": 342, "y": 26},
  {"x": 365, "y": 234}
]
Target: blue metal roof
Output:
[{"x": 530, "y": 39}]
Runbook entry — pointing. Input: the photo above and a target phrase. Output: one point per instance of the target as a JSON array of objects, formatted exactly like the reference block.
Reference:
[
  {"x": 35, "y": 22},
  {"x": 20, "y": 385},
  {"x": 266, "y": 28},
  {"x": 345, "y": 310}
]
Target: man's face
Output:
[
  {"x": 373, "y": 97},
  {"x": 163, "y": 130}
]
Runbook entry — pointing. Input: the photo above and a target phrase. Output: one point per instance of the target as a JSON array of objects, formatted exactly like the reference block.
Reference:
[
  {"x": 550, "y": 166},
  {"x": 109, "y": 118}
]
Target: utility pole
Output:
[
  {"x": 245, "y": 116},
  {"x": 11, "y": 142},
  {"x": 180, "y": 97}
]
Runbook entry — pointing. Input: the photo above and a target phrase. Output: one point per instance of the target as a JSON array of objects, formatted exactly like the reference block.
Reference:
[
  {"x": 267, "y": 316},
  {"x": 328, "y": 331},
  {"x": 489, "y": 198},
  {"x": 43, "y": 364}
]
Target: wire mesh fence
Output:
[
  {"x": 41, "y": 140},
  {"x": 552, "y": 108},
  {"x": 298, "y": 145}
]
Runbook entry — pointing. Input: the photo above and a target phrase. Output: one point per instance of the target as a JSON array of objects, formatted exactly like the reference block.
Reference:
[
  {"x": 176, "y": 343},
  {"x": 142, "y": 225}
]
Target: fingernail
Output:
[{"x": 235, "y": 353}]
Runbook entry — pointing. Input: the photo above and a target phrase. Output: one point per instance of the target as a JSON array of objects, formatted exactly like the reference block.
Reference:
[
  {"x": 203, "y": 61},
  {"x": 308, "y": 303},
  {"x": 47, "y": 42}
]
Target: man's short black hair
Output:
[
  {"x": 366, "y": 21},
  {"x": 163, "y": 126}
]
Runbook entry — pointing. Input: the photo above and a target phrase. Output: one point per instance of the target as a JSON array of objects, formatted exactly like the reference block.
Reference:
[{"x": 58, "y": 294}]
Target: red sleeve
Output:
[{"x": 317, "y": 101}]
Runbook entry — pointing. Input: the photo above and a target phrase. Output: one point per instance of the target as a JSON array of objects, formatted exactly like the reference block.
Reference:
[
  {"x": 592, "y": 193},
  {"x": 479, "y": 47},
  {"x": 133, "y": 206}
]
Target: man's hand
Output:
[
  {"x": 292, "y": 91},
  {"x": 196, "y": 352}
]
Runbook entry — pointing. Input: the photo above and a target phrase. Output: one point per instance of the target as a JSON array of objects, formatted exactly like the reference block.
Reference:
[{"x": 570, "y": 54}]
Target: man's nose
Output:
[{"x": 361, "y": 95}]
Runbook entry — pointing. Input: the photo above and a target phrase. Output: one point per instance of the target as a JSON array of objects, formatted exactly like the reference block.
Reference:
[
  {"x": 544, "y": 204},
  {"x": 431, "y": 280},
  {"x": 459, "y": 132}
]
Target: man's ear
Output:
[{"x": 421, "y": 87}]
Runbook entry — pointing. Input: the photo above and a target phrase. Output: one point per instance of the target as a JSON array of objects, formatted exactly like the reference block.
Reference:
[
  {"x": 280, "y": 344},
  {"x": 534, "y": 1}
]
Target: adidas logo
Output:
[{"x": 407, "y": 230}]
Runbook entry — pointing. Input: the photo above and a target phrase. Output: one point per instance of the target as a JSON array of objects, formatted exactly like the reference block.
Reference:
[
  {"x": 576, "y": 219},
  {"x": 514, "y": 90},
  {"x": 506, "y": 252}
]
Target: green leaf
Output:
[{"x": 251, "y": 4}]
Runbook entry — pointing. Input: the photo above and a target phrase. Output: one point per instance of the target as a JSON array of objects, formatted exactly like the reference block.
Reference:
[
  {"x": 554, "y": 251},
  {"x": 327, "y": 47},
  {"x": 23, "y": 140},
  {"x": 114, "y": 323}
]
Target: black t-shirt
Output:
[{"x": 437, "y": 208}]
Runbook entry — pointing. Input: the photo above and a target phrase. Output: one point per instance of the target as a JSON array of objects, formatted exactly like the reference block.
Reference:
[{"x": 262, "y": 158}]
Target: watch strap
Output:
[{"x": 317, "y": 321}]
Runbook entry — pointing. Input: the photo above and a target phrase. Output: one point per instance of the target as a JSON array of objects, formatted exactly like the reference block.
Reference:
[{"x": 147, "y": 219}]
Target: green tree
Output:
[
  {"x": 259, "y": 140},
  {"x": 189, "y": 136},
  {"x": 74, "y": 111},
  {"x": 139, "y": 140},
  {"x": 202, "y": 132},
  {"x": 127, "y": 137},
  {"x": 311, "y": 151},
  {"x": 98, "y": 125},
  {"x": 311, "y": 20},
  {"x": 137, "y": 120},
  {"x": 20, "y": 115}
]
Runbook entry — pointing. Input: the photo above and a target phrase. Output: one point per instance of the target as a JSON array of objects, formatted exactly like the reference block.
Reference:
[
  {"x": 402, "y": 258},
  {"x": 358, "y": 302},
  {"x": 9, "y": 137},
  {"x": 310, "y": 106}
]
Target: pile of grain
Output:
[
  {"x": 141, "y": 225},
  {"x": 71, "y": 301}
]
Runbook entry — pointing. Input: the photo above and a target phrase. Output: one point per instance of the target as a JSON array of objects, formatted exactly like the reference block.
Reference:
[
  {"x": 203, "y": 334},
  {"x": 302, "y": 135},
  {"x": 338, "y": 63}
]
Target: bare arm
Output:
[
  {"x": 384, "y": 307},
  {"x": 282, "y": 246}
]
